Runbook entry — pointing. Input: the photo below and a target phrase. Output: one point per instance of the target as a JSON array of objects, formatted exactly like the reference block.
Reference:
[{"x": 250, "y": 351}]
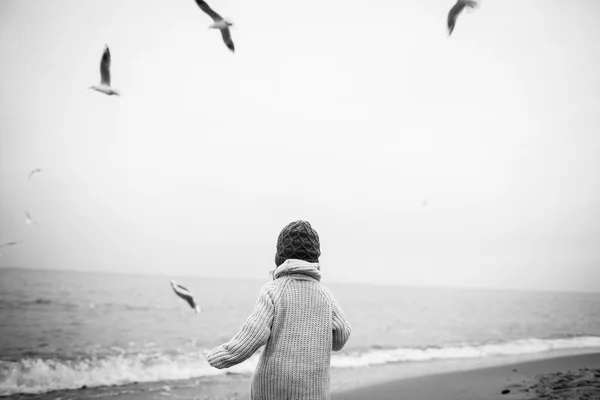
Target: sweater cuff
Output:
[{"x": 217, "y": 357}]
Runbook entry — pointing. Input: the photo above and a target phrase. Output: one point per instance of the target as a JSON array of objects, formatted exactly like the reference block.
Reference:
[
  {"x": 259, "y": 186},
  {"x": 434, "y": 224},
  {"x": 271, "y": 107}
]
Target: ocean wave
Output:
[
  {"x": 38, "y": 375},
  {"x": 379, "y": 356},
  {"x": 20, "y": 304}
]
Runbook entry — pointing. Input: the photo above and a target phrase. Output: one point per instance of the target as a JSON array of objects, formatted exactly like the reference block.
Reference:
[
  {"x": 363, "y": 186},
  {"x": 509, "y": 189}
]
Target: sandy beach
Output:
[{"x": 571, "y": 377}]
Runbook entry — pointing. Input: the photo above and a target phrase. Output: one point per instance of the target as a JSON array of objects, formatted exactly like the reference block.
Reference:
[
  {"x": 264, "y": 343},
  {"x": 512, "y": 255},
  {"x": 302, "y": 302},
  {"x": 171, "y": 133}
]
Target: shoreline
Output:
[{"x": 466, "y": 379}]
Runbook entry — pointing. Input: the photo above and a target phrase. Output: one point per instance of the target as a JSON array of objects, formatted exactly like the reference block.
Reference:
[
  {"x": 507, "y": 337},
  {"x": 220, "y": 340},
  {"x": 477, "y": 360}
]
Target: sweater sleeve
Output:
[
  {"x": 254, "y": 333},
  {"x": 341, "y": 327}
]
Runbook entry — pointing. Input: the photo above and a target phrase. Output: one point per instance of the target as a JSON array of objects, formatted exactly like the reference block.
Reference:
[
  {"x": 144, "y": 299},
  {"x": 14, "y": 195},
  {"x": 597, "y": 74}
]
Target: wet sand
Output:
[{"x": 571, "y": 377}]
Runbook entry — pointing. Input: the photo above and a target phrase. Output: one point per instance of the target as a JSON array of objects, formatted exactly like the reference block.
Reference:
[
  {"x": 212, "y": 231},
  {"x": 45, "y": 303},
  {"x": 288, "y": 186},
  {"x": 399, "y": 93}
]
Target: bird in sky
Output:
[
  {"x": 186, "y": 295},
  {"x": 8, "y": 244},
  {"x": 35, "y": 171},
  {"x": 30, "y": 220},
  {"x": 219, "y": 23},
  {"x": 104, "y": 86},
  {"x": 456, "y": 10}
]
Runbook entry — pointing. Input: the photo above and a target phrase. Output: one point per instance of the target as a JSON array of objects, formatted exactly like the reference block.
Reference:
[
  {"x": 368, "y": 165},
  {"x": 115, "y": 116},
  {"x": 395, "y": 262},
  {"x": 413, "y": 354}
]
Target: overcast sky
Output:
[{"x": 347, "y": 114}]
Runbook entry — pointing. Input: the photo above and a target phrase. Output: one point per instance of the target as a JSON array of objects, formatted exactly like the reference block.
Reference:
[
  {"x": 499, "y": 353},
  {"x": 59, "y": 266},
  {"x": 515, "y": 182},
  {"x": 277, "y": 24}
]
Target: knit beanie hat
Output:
[{"x": 298, "y": 240}]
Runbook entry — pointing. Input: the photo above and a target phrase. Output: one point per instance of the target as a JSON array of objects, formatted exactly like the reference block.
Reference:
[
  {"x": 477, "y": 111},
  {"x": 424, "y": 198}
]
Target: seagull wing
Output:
[
  {"x": 105, "y": 67},
  {"x": 30, "y": 220},
  {"x": 186, "y": 295},
  {"x": 227, "y": 39},
  {"x": 454, "y": 13},
  {"x": 190, "y": 300},
  {"x": 457, "y": 9},
  {"x": 472, "y": 3},
  {"x": 34, "y": 171},
  {"x": 178, "y": 288},
  {"x": 206, "y": 8},
  {"x": 9, "y": 244}
]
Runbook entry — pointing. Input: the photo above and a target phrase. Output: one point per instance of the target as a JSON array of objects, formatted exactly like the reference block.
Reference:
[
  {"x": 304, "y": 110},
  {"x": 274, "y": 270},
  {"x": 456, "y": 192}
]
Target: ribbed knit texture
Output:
[{"x": 300, "y": 322}]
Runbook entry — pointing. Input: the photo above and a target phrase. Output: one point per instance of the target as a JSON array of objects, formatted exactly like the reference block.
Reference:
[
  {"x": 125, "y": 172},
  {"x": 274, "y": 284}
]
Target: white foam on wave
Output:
[
  {"x": 513, "y": 348},
  {"x": 35, "y": 375}
]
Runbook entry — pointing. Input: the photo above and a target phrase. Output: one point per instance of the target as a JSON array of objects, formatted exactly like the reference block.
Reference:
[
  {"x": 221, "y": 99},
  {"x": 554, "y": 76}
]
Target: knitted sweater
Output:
[{"x": 300, "y": 322}]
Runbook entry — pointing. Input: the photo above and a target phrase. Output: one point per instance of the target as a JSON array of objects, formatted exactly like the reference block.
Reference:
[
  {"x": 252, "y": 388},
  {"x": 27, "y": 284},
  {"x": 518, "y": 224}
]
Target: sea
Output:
[{"x": 64, "y": 330}]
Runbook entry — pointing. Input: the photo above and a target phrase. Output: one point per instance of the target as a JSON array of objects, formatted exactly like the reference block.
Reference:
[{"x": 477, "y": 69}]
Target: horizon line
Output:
[{"x": 343, "y": 282}]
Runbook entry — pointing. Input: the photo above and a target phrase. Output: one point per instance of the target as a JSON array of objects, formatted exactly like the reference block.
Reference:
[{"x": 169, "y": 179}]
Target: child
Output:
[{"x": 297, "y": 318}]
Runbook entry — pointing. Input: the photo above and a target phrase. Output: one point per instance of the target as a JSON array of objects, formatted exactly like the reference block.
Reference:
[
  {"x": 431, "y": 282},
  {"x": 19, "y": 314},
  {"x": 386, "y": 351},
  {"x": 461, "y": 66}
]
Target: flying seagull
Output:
[
  {"x": 186, "y": 295},
  {"x": 104, "y": 85},
  {"x": 220, "y": 23},
  {"x": 8, "y": 244},
  {"x": 456, "y": 10},
  {"x": 34, "y": 172},
  {"x": 29, "y": 220}
]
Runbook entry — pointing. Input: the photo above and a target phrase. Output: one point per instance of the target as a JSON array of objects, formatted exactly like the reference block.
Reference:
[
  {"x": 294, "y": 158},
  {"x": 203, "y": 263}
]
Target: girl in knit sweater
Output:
[{"x": 298, "y": 320}]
